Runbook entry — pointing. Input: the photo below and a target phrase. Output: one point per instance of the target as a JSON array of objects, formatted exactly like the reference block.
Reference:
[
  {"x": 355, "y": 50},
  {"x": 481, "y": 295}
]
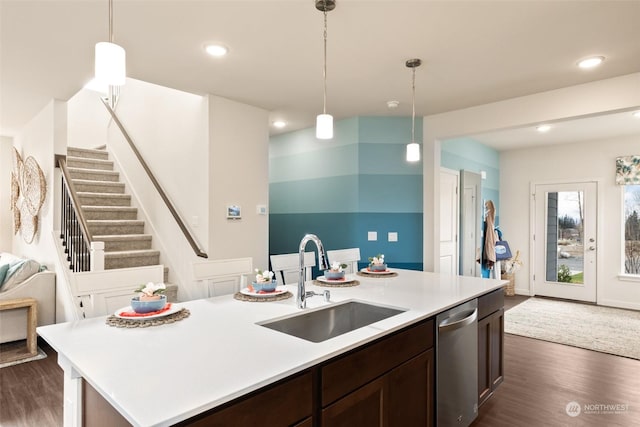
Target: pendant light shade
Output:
[
  {"x": 324, "y": 126},
  {"x": 110, "y": 62},
  {"x": 413, "y": 152},
  {"x": 324, "y": 121},
  {"x": 110, "y": 65},
  {"x": 413, "y": 148}
]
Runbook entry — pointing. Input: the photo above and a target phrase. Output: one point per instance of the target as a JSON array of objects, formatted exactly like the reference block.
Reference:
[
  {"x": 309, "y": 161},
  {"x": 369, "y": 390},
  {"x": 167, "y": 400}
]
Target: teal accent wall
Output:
[{"x": 343, "y": 188}]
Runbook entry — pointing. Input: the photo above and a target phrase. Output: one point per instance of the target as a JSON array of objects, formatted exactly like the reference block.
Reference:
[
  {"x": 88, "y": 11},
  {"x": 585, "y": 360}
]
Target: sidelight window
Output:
[{"x": 632, "y": 229}]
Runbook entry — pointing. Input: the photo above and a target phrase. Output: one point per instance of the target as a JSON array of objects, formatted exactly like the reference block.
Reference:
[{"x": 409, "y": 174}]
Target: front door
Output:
[{"x": 565, "y": 244}]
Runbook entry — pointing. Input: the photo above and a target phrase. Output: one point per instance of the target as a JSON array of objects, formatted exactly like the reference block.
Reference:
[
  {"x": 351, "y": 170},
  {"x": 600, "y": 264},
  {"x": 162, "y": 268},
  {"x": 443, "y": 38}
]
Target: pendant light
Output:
[
  {"x": 413, "y": 148},
  {"x": 324, "y": 121},
  {"x": 110, "y": 59}
]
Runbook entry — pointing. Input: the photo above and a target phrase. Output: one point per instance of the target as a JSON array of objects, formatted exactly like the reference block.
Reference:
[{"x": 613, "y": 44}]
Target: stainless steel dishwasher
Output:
[{"x": 457, "y": 365}]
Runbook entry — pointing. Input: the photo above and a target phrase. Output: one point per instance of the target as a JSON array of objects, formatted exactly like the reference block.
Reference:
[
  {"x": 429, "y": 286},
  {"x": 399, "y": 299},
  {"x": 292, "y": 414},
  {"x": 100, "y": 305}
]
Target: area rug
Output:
[{"x": 604, "y": 329}]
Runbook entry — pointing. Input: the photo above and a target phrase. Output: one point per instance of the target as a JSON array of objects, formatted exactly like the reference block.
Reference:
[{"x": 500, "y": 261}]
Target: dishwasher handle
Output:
[{"x": 458, "y": 321}]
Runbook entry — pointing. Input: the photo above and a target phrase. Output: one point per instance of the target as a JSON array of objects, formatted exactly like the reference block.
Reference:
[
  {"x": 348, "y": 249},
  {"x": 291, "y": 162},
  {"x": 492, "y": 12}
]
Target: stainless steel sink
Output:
[{"x": 331, "y": 321}]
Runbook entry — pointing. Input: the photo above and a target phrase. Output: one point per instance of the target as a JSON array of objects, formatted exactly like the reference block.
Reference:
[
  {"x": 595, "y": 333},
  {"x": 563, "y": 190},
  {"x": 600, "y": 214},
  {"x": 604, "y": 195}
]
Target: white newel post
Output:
[{"x": 97, "y": 256}]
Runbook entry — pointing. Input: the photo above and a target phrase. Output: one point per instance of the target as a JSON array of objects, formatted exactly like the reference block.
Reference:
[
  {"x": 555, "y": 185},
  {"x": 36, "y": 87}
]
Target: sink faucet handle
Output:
[{"x": 325, "y": 294}]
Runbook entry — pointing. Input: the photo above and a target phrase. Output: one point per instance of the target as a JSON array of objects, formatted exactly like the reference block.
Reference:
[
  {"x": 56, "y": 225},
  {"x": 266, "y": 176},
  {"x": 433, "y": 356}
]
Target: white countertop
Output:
[{"x": 160, "y": 375}]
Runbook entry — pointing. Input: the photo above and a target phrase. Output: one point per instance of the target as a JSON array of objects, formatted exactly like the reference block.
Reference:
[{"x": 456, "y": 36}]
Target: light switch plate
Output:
[
  {"x": 393, "y": 236},
  {"x": 372, "y": 236},
  {"x": 261, "y": 209}
]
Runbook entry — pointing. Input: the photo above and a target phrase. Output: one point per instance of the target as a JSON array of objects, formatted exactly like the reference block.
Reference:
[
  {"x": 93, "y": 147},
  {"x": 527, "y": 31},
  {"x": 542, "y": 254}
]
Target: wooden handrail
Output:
[
  {"x": 71, "y": 189},
  {"x": 156, "y": 184}
]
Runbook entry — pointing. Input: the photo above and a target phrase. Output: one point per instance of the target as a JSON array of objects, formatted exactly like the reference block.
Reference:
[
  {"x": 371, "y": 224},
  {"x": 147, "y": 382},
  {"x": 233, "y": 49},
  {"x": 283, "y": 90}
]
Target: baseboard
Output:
[{"x": 619, "y": 304}]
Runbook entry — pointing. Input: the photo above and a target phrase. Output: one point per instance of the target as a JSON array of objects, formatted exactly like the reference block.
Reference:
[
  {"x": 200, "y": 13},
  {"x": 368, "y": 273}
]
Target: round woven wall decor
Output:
[
  {"x": 29, "y": 224},
  {"x": 34, "y": 187},
  {"x": 16, "y": 220},
  {"x": 15, "y": 191},
  {"x": 16, "y": 163}
]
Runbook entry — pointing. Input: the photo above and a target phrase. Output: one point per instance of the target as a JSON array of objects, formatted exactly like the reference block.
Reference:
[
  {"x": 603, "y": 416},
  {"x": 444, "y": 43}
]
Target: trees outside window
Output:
[{"x": 632, "y": 229}]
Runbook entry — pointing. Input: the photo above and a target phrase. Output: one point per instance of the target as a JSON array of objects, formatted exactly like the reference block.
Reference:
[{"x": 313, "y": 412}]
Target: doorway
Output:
[{"x": 565, "y": 244}]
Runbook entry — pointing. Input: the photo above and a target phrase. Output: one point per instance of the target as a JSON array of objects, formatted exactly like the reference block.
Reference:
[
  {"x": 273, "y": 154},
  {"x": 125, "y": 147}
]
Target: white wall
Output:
[
  {"x": 39, "y": 139},
  {"x": 239, "y": 175},
  {"x": 44, "y": 137},
  {"x": 88, "y": 119},
  {"x": 6, "y": 216},
  {"x": 169, "y": 128},
  {"x": 581, "y": 161}
]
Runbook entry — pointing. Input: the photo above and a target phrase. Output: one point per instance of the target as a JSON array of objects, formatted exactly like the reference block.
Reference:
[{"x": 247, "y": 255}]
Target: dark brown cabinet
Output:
[
  {"x": 490, "y": 343},
  {"x": 388, "y": 383},
  {"x": 403, "y": 397},
  {"x": 287, "y": 403}
]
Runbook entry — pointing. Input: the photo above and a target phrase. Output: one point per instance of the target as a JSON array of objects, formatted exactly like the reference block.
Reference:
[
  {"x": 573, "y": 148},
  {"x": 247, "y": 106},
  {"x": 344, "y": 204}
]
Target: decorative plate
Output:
[
  {"x": 262, "y": 294},
  {"x": 346, "y": 279},
  {"x": 174, "y": 309},
  {"x": 375, "y": 273}
]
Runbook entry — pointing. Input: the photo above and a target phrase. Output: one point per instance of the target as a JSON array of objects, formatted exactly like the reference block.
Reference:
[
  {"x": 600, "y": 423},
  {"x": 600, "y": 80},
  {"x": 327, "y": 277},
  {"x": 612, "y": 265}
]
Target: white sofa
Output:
[{"x": 29, "y": 284}]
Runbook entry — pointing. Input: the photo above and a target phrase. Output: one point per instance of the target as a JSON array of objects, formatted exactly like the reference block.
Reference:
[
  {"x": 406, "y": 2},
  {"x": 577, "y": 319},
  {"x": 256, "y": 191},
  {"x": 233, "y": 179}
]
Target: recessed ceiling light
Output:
[
  {"x": 591, "y": 62},
  {"x": 216, "y": 50},
  {"x": 543, "y": 128},
  {"x": 636, "y": 114},
  {"x": 279, "y": 124}
]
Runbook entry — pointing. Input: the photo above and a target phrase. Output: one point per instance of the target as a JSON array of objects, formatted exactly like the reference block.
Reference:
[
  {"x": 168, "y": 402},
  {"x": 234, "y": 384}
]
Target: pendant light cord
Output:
[
  {"x": 324, "y": 70},
  {"x": 413, "y": 103},
  {"x": 110, "y": 21}
]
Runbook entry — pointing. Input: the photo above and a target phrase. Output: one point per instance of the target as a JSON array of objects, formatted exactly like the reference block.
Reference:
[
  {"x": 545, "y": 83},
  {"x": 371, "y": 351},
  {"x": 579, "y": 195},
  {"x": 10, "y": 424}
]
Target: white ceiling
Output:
[{"x": 474, "y": 52}]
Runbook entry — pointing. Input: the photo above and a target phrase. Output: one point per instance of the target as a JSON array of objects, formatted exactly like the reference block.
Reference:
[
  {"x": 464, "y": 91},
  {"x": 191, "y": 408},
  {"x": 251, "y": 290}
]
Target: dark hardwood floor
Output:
[
  {"x": 31, "y": 392},
  {"x": 541, "y": 378}
]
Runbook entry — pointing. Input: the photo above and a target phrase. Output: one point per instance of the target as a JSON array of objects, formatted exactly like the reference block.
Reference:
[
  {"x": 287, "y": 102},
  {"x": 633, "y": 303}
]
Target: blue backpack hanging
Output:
[{"x": 503, "y": 251}]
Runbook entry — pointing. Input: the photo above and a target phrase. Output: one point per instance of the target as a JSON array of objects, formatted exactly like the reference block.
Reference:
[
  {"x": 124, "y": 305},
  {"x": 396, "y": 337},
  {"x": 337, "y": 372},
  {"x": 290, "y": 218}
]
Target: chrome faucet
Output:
[{"x": 323, "y": 264}]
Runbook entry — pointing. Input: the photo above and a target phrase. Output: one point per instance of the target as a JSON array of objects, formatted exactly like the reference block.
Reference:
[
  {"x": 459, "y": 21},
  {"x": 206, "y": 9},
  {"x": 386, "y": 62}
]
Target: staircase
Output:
[{"x": 108, "y": 212}]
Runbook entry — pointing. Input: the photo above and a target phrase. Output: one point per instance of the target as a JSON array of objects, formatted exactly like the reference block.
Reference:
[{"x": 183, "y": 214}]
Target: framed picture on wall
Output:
[{"x": 234, "y": 212}]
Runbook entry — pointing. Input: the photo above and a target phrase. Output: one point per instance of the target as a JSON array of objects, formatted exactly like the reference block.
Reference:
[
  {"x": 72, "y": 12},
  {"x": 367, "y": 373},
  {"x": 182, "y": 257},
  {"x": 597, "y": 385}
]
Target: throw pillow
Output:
[
  {"x": 20, "y": 271},
  {"x": 3, "y": 273}
]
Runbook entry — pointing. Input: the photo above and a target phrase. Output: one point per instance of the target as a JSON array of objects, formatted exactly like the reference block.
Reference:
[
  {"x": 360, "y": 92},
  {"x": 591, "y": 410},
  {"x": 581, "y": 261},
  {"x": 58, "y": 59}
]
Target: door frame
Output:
[{"x": 599, "y": 226}]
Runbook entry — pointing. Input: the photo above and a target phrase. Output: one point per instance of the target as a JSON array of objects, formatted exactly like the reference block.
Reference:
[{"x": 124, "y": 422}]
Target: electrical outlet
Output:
[
  {"x": 372, "y": 236},
  {"x": 393, "y": 236}
]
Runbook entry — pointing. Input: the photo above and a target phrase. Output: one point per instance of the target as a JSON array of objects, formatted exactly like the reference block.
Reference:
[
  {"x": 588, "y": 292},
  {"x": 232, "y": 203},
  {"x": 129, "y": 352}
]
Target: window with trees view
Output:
[{"x": 632, "y": 229}]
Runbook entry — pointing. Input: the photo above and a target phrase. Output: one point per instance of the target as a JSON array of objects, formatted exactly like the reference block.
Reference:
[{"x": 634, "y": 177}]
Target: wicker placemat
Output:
[
  {"x": 242, "y": 297},
  {"x": 338, "y": 284},
  {"x": 377, "y": 276},
  {"x": 145, "y": 323}
]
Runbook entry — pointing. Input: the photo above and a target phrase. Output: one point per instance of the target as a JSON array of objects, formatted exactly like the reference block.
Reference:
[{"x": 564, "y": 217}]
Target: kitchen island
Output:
[{"x": 163, "y": 375}]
